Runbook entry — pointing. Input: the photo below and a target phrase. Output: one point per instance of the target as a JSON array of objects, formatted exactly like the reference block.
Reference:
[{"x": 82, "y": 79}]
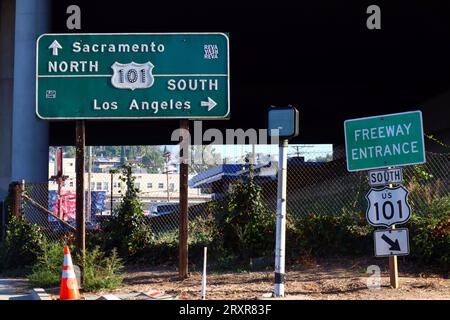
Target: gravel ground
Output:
[{"x": 328, "y": 280}]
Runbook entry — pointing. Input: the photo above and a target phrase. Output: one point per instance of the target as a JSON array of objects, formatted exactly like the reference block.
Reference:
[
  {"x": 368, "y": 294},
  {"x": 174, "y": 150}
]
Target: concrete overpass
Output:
[{"x": 318, "y": 56}]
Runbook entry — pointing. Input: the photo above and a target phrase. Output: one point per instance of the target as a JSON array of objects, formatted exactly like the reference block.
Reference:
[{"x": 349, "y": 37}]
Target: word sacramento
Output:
[
  {"x": 78, "y": 47},
  {"x": 388, "y": 150}
]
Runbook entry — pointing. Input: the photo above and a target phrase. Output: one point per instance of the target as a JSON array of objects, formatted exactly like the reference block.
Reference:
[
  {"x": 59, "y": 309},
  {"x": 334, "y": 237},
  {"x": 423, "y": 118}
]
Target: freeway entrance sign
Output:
[
  {"x": 391, "y": 242},
  {"x": 384, "y": 141},
  {"x": 133, "y": 76}
]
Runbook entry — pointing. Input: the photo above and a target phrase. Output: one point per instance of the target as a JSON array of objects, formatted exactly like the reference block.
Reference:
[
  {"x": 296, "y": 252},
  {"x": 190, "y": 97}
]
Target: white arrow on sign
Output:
[
  {"x": 388, "y": 206},
  {"x": 210, "y": 104},
  {"x": 391, "y": 242},
  {"x": 55, "y": 46}
]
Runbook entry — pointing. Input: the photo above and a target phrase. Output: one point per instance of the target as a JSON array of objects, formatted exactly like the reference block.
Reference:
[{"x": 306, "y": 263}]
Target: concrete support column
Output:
[
  {"x": 29, "y": 134},
  {"x": 7, "y": 23}
]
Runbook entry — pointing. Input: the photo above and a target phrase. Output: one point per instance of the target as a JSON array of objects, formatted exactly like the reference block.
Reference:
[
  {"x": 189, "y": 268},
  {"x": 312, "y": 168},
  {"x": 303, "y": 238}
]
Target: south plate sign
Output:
[
  {"x": 384, "y": 141},
  {"x": 133, "y": 76}
]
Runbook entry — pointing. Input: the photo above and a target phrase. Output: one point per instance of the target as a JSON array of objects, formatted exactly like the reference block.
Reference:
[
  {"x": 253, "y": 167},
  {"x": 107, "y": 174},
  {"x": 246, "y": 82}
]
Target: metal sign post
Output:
[
  {"x": 284, "y": 123},
  {"x": 280, "y": 246}
]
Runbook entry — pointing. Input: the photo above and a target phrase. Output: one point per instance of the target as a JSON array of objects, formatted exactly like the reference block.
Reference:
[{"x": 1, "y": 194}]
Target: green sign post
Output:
[
  {"x": 384, "y": 141},
  {"x": 133, "y": 76}
]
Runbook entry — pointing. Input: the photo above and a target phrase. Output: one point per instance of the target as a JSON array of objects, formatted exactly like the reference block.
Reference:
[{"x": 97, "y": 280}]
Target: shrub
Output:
[
  {"x": 203, "y": 229},
  {"x": 247, "y": 226},
  {"x": 127, "y": 229},
  {"x": 346, "y": 233},
  {"x": 24, "y": 243},
  {"x": 102, "y": 272},
  {"x": 430, "y": 234},
  {"x": 47, "y": 271}
]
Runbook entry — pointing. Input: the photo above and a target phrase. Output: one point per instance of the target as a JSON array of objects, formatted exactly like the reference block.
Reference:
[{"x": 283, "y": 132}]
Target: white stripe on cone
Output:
[
  {"x": 67, "y": 260},
  {"x": 68, "y": 274}
]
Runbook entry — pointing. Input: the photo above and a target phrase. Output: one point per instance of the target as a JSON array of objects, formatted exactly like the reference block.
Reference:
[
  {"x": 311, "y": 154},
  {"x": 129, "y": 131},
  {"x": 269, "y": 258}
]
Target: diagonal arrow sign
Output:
[
  {"x": 55, "y": 46},
  {"x": 210, "y": 104},
  {"x": 395, "y": 246}
]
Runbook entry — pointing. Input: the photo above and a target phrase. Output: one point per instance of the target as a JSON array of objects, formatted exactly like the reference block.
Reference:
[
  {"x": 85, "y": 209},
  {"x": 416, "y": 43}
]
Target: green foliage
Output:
[
  {"x": 153, "y": 159},
  {"x": 420, "y": 174},
  {"x": 203, "y": 230},
  {"x": 247, "y": 226},
  {"x": 102, "y": 272},
  {"x": 430, "y": 233},
  {"x": 47, "y": 271},
  {"x": 127, "y": 230},
  {"x": 346, "y": 233},
  {"x": 24, "y": 243},
  {"x": 205, "y": 157}
]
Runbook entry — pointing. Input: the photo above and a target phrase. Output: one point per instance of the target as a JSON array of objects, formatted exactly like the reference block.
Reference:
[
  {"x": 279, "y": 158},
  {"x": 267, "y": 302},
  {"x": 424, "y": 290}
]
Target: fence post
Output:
[{"x": 17, "y": 190}]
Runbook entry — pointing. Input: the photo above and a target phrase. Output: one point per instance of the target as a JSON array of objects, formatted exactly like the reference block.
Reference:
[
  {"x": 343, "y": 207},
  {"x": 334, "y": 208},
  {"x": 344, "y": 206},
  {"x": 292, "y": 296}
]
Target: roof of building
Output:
[{"x": 235, "y": 171}]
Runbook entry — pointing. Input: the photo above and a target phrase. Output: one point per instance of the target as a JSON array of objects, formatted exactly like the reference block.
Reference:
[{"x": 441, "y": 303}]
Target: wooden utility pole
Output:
[
  {"x": 183, "y": 224},
  {"x": 89, "y": 199},
  {"x": 80, "y": 153}
]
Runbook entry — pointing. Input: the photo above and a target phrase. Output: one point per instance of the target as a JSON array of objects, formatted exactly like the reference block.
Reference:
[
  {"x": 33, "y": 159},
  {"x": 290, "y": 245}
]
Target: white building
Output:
[{"x": 153, "y": 187}]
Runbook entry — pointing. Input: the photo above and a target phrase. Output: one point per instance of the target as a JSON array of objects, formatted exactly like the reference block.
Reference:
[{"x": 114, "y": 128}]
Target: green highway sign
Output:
[
  {"x": 384, "y": 141},
  {"x": 133, "y": 76}
]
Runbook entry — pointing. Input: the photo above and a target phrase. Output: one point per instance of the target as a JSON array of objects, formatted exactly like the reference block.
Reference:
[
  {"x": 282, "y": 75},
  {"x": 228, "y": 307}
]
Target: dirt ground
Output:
[{"x": 324, "y": 280}]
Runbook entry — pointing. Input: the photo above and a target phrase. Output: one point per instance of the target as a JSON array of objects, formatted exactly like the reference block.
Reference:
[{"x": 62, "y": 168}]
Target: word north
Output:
[{"x": 72, "y": 66}]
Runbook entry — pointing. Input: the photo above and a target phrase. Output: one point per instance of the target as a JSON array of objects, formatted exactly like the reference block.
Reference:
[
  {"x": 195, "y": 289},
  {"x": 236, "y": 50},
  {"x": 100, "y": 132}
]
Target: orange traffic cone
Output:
[{"x": 69, "y": 285}]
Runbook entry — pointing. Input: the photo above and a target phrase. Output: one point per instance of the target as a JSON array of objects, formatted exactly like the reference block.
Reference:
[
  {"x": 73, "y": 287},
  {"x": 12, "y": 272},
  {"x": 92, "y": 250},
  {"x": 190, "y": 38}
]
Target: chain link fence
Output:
[{"x": 313, "y": 188}]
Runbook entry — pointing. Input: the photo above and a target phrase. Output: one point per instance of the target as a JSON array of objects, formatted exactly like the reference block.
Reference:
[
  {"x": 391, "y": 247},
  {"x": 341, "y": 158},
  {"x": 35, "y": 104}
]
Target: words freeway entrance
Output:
[
  {"x": 384, "y": 141},
  {"x": 132, "y": 76}
]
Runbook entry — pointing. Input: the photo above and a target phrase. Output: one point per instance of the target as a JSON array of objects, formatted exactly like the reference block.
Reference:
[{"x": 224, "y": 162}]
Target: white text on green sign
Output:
[
  {"x": 384, "y": 141},
  {"x": 132, "y": 76}
]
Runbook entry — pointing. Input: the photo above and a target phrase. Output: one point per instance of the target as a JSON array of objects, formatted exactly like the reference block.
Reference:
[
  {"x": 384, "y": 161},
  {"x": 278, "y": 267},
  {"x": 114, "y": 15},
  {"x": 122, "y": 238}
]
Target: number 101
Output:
[
  {"x": 387, "y": 209},
  {"x": 132, "y": 75}
]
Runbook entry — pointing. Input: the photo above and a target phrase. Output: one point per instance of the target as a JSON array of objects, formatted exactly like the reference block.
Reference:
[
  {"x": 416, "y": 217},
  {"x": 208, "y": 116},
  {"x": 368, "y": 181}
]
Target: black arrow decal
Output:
[{"x": 395, "y": 246}]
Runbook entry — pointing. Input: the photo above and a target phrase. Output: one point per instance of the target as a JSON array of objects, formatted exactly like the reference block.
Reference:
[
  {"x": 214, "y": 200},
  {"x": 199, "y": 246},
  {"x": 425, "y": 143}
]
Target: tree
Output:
[
  {"x": 203, "y": 158},
  {"x": 153, "y": 159},
  {"x": 128, "y": 230},
  {"x": 326, "y": 158},
  {"x": 248, "y": 227}
]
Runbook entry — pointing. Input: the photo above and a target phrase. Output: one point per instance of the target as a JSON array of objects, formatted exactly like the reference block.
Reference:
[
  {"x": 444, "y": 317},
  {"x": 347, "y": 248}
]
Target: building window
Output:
[
  {"x": 71, "y": 184},
  {"x": 99, "y": 186},
  {"x": 149, "y": 185},
  {"x": 92, "y": 185},
  {"x": 172, "y": 186},
  {"x": 161, "y": 185},
  {"x": 105, "y": 186}
]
